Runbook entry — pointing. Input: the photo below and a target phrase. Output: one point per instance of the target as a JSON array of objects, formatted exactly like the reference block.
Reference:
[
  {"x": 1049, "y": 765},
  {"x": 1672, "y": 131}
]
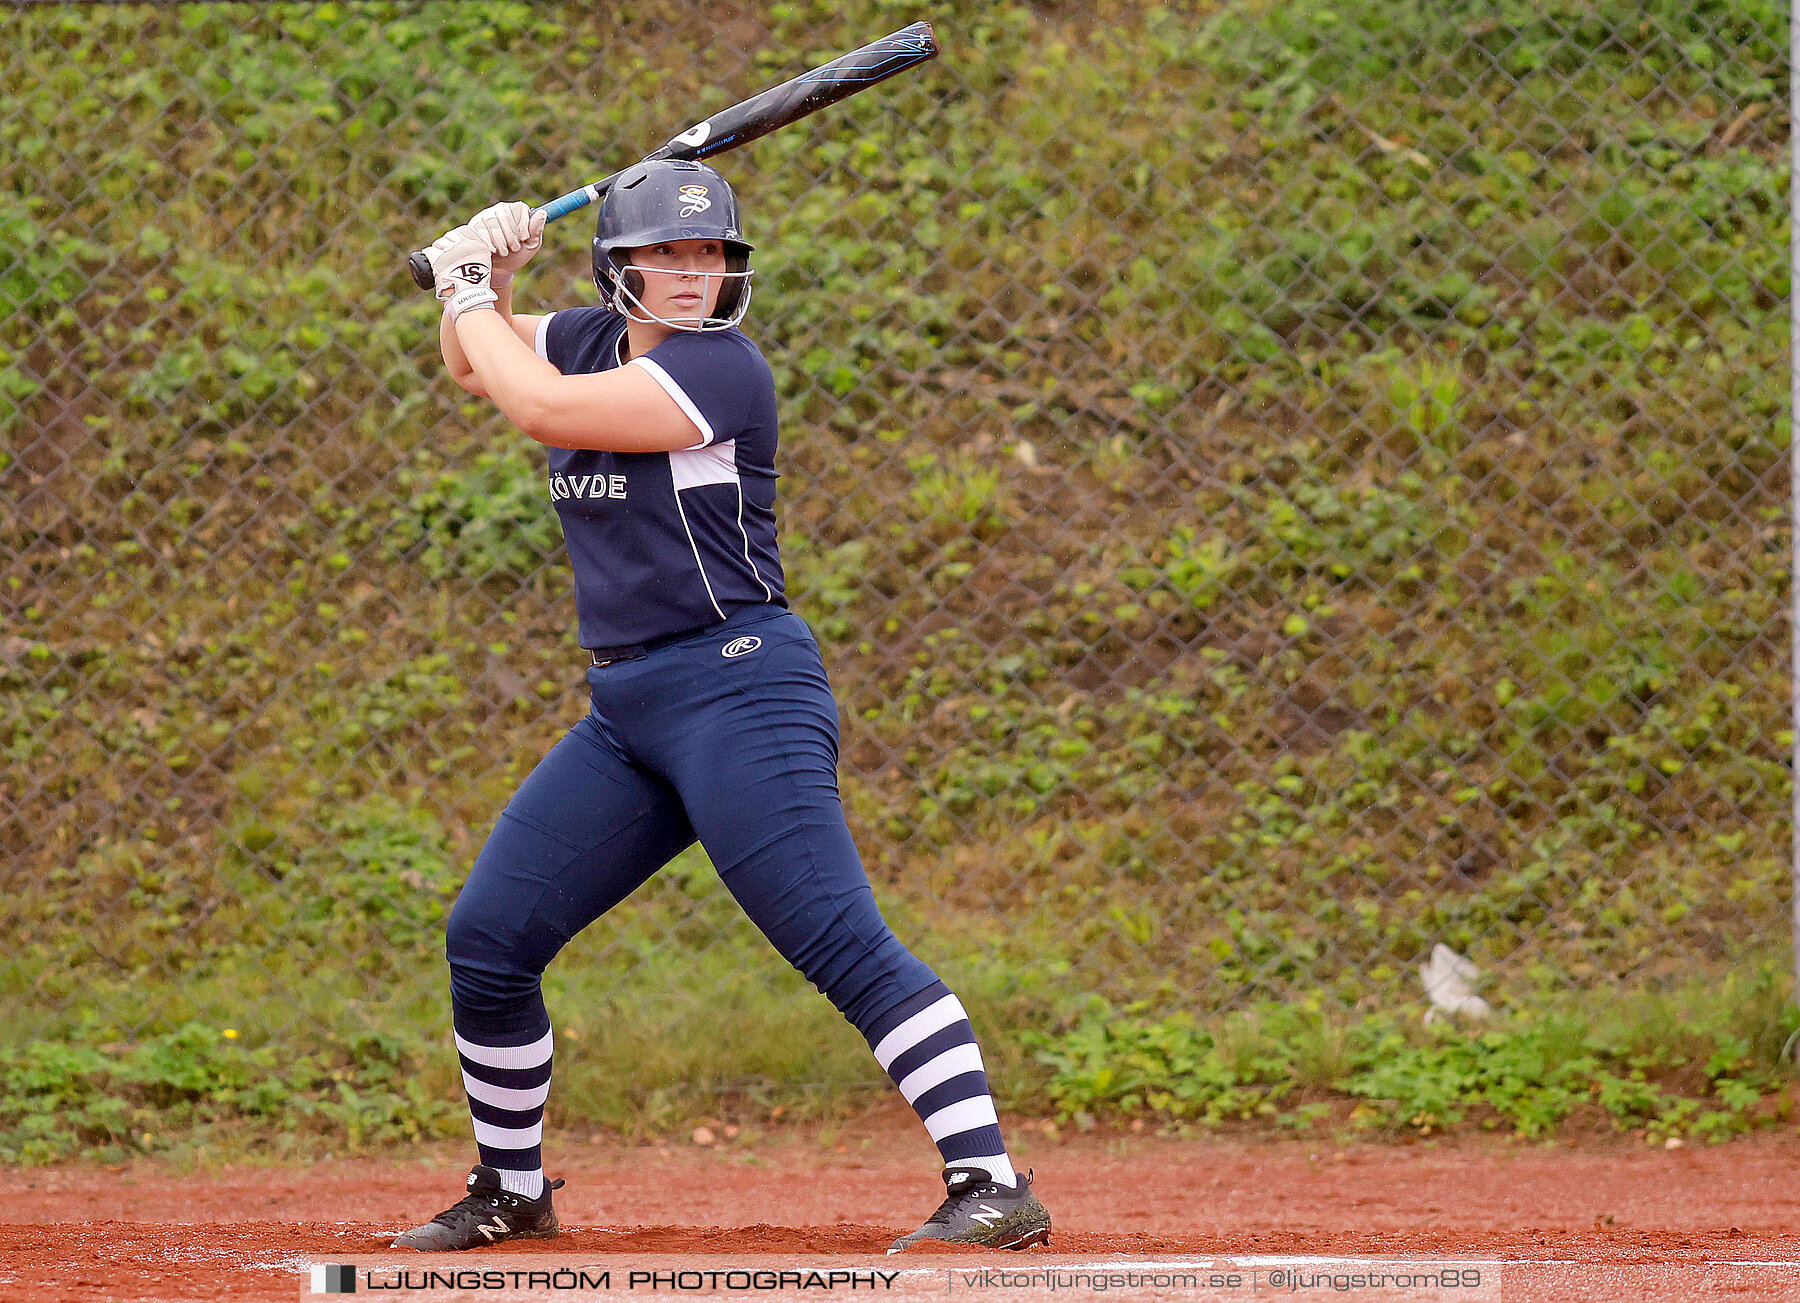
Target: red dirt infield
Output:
[{"x": 1610, "y": 1220}]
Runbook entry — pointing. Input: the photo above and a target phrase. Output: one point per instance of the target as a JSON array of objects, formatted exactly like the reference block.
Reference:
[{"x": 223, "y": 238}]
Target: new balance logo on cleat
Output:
[
  {"x": 979, "y": 1210},
  {"x": 476, "y": 1221}
]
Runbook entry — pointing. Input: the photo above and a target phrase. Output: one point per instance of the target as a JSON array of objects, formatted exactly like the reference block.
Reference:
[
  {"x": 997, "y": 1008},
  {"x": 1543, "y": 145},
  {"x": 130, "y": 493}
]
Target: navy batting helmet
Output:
[{"x": 669, "y": 199}]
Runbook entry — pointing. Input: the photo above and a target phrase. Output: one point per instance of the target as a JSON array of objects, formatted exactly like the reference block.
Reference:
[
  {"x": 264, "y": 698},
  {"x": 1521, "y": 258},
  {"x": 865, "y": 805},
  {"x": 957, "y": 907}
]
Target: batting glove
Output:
[
  {"x": 514, "y": 232},
  {"x": 462, "y": 270}
]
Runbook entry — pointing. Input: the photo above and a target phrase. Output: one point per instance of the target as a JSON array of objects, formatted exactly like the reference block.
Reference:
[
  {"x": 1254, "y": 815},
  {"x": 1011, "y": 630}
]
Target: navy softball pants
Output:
[{"x": 730, "y": 737}]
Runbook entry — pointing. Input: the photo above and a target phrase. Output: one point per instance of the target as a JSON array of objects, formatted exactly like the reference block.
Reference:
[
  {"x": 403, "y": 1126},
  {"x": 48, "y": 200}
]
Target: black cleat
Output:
[
  {"x": 979, "y": 1210},
  {"x": 487, "y": 1215}
]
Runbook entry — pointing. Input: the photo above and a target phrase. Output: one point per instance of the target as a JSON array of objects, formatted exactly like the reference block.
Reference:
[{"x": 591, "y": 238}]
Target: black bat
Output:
[{"x": 758, "y": 115}]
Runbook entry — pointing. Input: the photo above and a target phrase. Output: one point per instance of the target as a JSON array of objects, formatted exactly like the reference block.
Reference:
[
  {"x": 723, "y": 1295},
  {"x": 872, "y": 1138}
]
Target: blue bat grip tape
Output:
[{"x": 566, "y": 204}]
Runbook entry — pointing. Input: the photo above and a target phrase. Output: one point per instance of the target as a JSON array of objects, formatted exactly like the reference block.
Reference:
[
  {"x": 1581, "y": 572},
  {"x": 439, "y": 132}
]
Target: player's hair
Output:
[{"x": 670, "y": 199}]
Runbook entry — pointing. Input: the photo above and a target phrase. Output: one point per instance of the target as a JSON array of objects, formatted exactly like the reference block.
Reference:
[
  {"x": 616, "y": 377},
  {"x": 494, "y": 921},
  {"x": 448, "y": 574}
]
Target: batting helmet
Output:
[{"x": 669, "y": 199}]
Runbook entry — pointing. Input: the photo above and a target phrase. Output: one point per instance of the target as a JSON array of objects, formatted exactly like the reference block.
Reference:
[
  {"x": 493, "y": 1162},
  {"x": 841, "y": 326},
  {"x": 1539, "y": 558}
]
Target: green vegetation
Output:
[
  {"x": 1695, "y": 1063},
  {"x": 1279, "y": 485},
  {"x": 92, "y": 1097},
  {"x": 1700, "y": 1063}
]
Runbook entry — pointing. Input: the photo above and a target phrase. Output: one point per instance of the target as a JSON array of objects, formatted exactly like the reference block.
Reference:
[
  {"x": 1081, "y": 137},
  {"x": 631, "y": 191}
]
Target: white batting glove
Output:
[
  {"x": 462, "y": 271},
  {"x": 514, "y": 232}
]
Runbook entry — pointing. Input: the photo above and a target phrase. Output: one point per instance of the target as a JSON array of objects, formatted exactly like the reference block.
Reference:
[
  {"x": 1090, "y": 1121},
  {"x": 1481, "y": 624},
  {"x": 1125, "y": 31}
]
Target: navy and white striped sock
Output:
[
  {"x": 928, "y": 1047},
  {"x": 507, "y": 1086}
]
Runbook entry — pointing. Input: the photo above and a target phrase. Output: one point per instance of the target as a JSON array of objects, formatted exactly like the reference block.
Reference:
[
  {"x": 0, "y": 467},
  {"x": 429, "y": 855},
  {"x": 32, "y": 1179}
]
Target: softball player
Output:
[{"x": 712, "y": 718}]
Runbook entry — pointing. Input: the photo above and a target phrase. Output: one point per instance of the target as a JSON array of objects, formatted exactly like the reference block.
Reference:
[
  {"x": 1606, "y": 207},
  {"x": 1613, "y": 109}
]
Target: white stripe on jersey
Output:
[
  {"x": 714, "y": 464},
  {"x": 543, "y": 337},
  {"x": 746, "y": 534},
  {"x": 698, "y": 563},
  {"x": 675, "y": 391}
]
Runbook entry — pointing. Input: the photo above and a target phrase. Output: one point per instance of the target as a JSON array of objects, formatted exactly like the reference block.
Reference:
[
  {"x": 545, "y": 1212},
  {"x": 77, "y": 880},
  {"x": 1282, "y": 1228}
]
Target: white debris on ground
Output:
[{"x": 1450, "y": 985}]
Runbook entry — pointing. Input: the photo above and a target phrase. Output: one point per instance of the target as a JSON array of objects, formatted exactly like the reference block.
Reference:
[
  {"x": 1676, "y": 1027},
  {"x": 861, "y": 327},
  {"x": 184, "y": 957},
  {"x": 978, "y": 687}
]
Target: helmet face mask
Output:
[
  {"x": 623, "y": 290},
  {"x": 662, "y": 201}
]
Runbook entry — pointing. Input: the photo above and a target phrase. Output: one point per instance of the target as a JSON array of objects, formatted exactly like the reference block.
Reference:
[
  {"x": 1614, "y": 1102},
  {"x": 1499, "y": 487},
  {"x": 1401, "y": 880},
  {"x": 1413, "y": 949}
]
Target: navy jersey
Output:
[{"x": 667, "y": 542}]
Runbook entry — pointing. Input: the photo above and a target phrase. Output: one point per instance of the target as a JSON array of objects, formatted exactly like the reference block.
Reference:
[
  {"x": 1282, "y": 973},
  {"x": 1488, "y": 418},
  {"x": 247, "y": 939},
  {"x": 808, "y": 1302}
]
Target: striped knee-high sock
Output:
[
  {"x": 507, "y": 1085},
  {"x": 927, "y": 1046}
]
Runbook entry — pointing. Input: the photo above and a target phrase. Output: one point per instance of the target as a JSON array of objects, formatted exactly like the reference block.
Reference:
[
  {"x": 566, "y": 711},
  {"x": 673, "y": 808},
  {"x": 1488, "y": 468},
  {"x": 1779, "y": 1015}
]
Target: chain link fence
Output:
[{"x": 1279, "y": 486}]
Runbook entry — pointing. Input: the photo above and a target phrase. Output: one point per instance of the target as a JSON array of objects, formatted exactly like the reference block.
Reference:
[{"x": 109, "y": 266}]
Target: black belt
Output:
[{"x": 631, "y": 651}]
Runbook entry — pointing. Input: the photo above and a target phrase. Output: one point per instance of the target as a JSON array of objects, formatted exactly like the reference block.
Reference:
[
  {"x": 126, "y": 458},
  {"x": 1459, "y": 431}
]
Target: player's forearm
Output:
[
  {"x": 619, "y": 410},
  {"x": 456, "y": 360},
  {"x": 498, "y": 361}
]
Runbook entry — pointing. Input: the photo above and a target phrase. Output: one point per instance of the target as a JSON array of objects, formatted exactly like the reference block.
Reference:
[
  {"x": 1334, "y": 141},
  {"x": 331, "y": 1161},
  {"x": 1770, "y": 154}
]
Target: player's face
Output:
[{"x": 676, "y": 284}]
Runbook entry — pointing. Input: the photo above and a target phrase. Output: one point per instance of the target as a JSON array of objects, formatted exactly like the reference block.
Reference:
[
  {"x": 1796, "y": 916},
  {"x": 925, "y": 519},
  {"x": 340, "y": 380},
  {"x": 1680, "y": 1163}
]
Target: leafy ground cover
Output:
[
  {"x": 1689, "y": 1063},
  {"x": 1693, "y": 1064}
]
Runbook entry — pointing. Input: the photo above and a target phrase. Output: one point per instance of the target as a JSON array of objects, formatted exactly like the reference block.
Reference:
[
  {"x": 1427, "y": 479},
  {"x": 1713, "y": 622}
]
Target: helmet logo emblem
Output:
[{"x": 694, "y": 200}]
